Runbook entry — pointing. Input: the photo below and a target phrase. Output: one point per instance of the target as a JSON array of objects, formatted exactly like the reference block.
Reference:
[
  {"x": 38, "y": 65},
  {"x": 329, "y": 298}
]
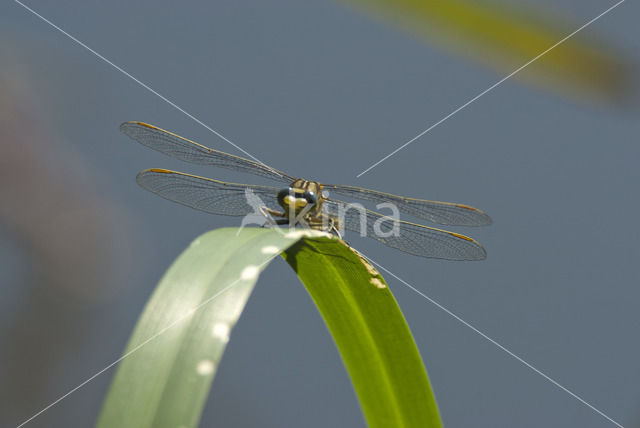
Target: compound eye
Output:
[
  {"x": 282, "y": 194},
  {"x": 310, "y": 197}
]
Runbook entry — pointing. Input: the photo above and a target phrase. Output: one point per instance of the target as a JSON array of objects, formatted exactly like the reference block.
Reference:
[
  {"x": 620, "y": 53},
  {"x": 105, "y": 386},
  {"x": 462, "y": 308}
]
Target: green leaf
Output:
[
  {"x": 174, "y": 352},
  {"x": 167, "y": 369},
  {"x": 370, "y": 332}
]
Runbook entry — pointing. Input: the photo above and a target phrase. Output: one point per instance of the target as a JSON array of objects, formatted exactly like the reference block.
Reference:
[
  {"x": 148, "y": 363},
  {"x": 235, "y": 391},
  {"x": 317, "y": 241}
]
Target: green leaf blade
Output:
[
  {"x": 168, "y": 366},
  {"x": 370, "y": 332}
]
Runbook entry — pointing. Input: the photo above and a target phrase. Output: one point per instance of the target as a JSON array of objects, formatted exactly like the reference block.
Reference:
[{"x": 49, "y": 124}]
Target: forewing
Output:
[
  {"x": 447, "y": 213},
  {"x": 411, "y": 238},
  {"x": 205, "y": 194},
  {"x": 189, "y": 151}
]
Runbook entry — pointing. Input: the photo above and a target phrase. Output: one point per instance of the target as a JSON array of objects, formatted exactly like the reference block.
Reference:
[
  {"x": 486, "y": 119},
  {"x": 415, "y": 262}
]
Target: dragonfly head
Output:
[
  {"x": 301, "y": 195},
  {"x": 296, "y": 199}
]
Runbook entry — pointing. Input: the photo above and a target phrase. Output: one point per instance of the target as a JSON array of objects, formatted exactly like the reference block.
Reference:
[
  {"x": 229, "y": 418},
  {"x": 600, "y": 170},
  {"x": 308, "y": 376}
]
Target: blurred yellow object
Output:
[{"x": 505, "y": 38}]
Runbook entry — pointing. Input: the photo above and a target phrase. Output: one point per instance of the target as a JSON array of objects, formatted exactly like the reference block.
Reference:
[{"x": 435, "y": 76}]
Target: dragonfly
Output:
[{"x": 306, "y": 200}]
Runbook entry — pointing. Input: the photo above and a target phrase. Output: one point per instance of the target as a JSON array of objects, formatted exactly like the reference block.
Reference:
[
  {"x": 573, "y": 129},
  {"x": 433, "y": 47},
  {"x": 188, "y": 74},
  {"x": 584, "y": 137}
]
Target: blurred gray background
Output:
[{"x": 319, "y": 90}]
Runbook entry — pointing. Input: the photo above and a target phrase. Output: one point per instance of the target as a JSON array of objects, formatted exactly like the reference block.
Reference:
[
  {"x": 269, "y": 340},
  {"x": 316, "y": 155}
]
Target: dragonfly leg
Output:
[
  {"x": 269, "y": 215},
  {"x": 335, "y": 231},
  {"x": 325, "y": 223}
]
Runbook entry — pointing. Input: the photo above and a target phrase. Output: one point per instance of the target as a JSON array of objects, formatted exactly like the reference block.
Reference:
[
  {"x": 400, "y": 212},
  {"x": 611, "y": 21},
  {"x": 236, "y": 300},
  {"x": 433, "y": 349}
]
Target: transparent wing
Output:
[
  {"x": 205, "y": 194},
  {"x": 438, "y": 212},
  {"x": 411, "y": 238},
  {"x": 189, "y": 151}
]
